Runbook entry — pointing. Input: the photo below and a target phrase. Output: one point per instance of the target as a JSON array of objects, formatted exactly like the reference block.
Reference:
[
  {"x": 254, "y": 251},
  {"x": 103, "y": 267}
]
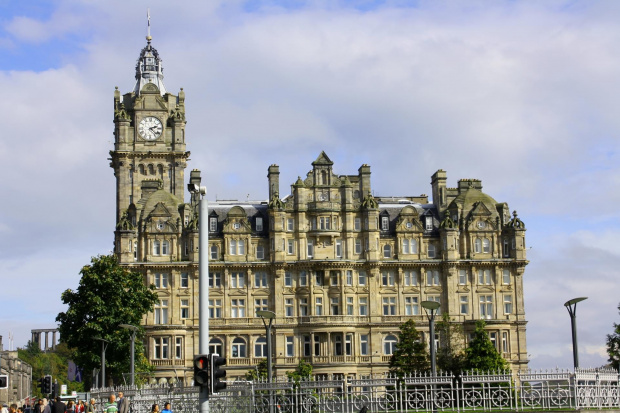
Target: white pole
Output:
[{"x": 203, "y": 289}]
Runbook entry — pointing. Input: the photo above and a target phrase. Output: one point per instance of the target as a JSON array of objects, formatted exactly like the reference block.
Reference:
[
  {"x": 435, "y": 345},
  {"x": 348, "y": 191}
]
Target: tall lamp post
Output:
[
  {"x": 200, "y": 192},
  {"x": 571, "y": 306},
  {"x": 134, "y": 330},
  {"x": 268, "y": 315},
  {"x": 104, "y": 345},
  {"x": 431, "y": 308}
]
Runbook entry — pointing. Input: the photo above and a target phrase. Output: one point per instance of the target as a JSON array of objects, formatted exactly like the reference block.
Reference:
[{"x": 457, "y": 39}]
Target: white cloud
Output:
[{"x": 519, "y": 95}]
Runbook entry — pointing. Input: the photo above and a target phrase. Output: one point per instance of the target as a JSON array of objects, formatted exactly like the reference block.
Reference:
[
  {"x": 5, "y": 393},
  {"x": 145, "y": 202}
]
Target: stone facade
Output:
[
  {"x": 20, "y": 378},
  {"x": 341, "y": 268}
]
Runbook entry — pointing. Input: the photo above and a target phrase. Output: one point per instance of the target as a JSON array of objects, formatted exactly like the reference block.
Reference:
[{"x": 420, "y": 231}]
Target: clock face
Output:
[
  {"x": 482, "y": 224},
  {"x": 150, "y": 128}
]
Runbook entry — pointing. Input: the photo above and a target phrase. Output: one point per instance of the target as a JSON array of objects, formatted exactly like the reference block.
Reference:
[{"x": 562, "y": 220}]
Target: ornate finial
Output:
[{"x": 148, "y": 26}]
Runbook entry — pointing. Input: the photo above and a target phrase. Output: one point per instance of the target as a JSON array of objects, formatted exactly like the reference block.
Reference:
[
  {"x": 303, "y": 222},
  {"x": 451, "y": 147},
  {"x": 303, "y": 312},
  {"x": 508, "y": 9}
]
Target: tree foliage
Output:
[
  {"x": 302, "y": 372},
  {"x": 410, "y": 355},
  {"x": 613, "y": 346},
  {"x": 481, "y": 354},
  {"x": 108, "y": 295},
  {"x": 259, "y": 372},
  {"x": 53, "y": 362},
  {"x": 451, "y": 351}
]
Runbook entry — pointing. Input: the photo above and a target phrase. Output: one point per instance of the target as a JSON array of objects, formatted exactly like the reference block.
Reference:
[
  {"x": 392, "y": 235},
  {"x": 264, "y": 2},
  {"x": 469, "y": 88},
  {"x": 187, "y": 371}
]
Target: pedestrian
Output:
[
  {"x": 111, "y": 406},
  {"x": 91, "y": 408},
  {"x": 166, "y": 408},
  {"x": 46, "y": 407},
  {"x": 79, "y": 408},
  {"x": 59, "y": 406},
  {"x": 155, "y": 408},
  {"x": 123, "y": 403}
]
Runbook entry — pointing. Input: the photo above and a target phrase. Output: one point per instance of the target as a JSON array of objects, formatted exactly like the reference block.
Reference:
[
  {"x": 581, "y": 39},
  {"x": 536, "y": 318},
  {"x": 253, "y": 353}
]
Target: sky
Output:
[{"x": 522, "y": 95}]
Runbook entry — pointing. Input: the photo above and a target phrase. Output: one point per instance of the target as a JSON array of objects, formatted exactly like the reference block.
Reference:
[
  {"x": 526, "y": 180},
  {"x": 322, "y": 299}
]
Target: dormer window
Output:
[
  {"x": 212, "y": 224},
  {"x": 259, "y": 224},
  {"x": 429, "y": 223},
  {"x": 385, "y": 223}
]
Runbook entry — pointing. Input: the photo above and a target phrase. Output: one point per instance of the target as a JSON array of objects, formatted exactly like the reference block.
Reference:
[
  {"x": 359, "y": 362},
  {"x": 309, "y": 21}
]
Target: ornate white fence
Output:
[{"x": 473, "y": 391}]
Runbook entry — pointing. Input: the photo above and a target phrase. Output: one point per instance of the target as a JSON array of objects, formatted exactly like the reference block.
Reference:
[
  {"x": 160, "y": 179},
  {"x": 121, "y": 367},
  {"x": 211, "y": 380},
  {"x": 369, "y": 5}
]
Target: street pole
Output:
[
  {"x": 134, "y": 330},
  {"x": 431, "y": 309},
  {"x": 270, "y": 315},
  {"x": 103, "y": 347},
  {"x": 571, "y": 306},
  {"x": 203, "y": 284}
]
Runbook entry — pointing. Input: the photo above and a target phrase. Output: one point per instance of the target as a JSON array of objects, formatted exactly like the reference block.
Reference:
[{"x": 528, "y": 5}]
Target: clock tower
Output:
[{"x": 149, "y": 159}]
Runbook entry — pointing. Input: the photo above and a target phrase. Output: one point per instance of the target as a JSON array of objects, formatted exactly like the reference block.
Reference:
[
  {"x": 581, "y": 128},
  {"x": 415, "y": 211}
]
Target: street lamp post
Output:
[
  {"x": 571, "y": 306},
  {"x": 134, "y": 330},
  {"x": 103, "y": 347},
  {"x": 200, "y": 192},
  {"x": 269, "y": 315},
  {"x": 431, "y": 308}
]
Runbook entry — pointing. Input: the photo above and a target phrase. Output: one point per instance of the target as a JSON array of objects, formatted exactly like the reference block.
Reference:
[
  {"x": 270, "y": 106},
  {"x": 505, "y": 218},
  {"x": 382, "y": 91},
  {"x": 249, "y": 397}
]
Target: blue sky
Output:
[{"x": 522, "y": 95}]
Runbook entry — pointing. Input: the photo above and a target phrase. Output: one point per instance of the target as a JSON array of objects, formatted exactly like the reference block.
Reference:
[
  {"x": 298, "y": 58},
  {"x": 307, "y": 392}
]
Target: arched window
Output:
[
  {"x": 414, "y": 246},
  {"x": 142, "y": 170},
  {"x": 389, "y": 345},
  {"x": 260, "y": 347},
  {"x": 156, "y": 247},
  {"x": 233, "y": 247},
  {"x": 431, "y": 251},
  {"x": 165, "y": 248},
  {"x": 405, "y": 246},
  {"x": 160, "y": 171},
  {"x": 238, "y": 348},
  {"x": 486, "y": 245},
  {"x": 151, "y": 170},
  {"x": 214, "y": 252},
  {"x": 215, "y": 346},
  {"x": 478, "y": 245},
  {"x": 387, "y": 251}
]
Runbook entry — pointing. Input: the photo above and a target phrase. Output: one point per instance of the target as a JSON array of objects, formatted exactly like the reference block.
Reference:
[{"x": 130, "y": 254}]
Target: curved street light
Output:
[
  {"x": 571, "y": 306},
  {"x": 134, "y": 330}
]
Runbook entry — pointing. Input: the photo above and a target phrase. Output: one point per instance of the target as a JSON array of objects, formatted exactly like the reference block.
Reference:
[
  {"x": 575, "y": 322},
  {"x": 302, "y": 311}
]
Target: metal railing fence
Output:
[{"x": 468, "y": 392}]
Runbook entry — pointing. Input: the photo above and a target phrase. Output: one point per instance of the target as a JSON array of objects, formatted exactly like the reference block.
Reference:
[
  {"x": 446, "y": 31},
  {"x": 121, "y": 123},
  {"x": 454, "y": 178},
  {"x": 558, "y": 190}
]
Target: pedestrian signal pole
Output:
[{"x": 203, "y": 291}]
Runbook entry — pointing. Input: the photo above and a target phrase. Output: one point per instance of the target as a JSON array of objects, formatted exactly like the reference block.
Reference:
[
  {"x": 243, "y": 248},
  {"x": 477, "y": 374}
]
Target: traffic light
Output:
[
  {"x": 4, "y": 382},
  {"x": 47, "y": 385},
  {"x": 216, "y": 373},
  {"x": 201, "y": 370},
  {"x": 41, "y": 384}
]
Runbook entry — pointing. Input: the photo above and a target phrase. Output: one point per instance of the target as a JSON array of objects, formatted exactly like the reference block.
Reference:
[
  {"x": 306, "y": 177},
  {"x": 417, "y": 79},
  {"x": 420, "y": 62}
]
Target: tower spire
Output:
[
  {"x": 149, "y": 68},
  {"x": 148, "y": 25}
]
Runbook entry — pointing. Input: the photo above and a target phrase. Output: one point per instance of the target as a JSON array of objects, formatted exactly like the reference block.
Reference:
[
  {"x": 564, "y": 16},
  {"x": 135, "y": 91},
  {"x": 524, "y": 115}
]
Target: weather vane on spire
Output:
[{"x": 148, "y": 25}]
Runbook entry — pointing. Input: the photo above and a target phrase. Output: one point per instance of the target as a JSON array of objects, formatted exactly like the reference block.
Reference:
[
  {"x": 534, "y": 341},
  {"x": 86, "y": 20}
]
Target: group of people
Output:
[
  {"x": 122, "y": 405},
  {"x": 58, "y": 406}
]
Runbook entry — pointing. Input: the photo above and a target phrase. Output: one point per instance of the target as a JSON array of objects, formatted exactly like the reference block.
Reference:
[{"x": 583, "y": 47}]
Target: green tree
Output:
[
  {"x": 53, "y": 362},
  {"x": 259, "y": 372},
  {"x": 451, "y": 351},
  {"x": 108, "y": 295},
  {"x": 613, "y": 346},
  {"x": 410, "y": 355},
  {"x": 481, "y": 354},
  {"x": 302, "y": 372}
]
